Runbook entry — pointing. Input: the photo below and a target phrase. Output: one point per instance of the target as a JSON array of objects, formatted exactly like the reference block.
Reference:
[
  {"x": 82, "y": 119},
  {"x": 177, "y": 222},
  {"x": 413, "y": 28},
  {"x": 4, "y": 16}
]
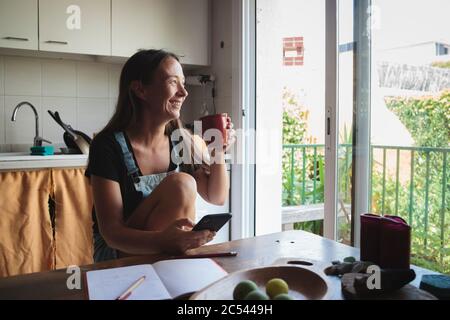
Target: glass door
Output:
[
  {"x": 290, "y": 108},
  {"x": 393, "y": 120},
  {"x": 410, "y": 114}
]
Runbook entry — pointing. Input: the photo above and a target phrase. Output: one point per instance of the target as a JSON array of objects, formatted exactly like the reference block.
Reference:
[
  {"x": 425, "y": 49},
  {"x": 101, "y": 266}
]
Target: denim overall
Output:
[{"x": 144, "y": 184}]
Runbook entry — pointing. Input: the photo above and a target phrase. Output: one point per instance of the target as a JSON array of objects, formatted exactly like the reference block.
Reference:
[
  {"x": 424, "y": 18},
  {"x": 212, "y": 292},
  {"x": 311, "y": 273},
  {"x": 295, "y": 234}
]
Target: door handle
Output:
[
  {"x": 56, "y": 42},
  {"x": 16, "y": 38}
]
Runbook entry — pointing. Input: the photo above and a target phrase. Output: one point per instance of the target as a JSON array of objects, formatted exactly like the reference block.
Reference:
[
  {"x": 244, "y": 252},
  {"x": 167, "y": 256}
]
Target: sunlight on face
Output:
[{"x": 167, "y": 93}]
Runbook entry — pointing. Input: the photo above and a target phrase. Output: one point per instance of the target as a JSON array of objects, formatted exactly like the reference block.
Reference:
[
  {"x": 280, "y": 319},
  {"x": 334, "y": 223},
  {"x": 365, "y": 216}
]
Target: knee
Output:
[{"x": 181, "y": 186}]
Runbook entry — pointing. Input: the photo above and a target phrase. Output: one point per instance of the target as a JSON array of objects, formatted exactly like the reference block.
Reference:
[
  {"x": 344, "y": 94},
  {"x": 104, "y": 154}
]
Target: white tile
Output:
[
  {"x": 114, "y": 79},
  {"x": 223, "y": 71},
  {"x": 224, "y": 105},
  {"x": 112, "y": 106},
  {"x": 92, "y": 80},
  {"x": 2, "y": 119},
  {"x": 2, "y": 77},
  {"x": 225, "y": 85},
  {"x": 5, "y": 148},
  {"x": 92, "y": 114},
  {"x": 22, "y": 76},
  {"x": 67, "y": 109},
  {"x": 59, "y": 78},
  {"x": 194, "y": 92},
  {"x": 21, "y": 131},
  {"x": 187, "y": 112}
]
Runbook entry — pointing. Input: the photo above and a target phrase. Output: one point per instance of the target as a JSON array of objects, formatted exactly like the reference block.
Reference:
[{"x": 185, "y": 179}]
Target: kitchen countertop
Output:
[{"x": 23, "y": 160}]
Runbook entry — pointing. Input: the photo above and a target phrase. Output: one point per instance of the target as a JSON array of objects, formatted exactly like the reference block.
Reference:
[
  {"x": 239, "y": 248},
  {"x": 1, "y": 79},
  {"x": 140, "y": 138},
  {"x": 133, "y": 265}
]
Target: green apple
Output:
[
  {"x": 256, "y": 295},
  {"x": 276, "y": 286},
  {"x": 243, "y": 288}
]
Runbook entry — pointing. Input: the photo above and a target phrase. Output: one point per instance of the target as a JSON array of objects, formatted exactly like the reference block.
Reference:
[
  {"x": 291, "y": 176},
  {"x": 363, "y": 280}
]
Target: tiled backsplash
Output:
[{"x": 84, "y": 93}]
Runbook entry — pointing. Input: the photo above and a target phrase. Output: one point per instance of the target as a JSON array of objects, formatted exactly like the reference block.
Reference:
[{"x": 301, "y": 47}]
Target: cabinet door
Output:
[
  {"x": 75, "y": 26},
  {"x": 173, "y": 25},
  {"x": 19, "y": 24},
  {"x": 192, "y": 36},
  {"x": 142, "y": 24}
]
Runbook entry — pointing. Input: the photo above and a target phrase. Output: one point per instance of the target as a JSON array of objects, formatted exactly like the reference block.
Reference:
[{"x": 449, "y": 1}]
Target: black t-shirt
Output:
[{"x": 106, "y": 161}]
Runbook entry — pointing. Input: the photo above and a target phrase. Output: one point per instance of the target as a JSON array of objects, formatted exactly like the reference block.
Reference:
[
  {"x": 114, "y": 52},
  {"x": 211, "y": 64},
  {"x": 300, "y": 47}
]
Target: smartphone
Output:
[{"x": 213, "y": 222}]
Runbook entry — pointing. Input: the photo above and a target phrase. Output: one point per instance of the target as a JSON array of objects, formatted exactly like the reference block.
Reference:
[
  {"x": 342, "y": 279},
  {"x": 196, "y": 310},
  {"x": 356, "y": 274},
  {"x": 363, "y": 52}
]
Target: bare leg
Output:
[{"x": 173, "y": 199}]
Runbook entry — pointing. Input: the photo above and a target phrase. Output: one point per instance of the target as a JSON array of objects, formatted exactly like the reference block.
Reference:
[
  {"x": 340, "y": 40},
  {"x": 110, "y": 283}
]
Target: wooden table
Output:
[{"x": 252, "y": 252}]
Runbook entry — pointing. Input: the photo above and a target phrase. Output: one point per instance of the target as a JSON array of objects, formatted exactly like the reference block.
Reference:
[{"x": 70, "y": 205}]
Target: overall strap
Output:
[{"x": 130, "y": 164}]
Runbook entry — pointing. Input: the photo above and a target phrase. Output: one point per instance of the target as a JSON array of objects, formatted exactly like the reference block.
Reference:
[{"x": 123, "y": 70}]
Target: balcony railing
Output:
[{"x": 411, "y": 182}]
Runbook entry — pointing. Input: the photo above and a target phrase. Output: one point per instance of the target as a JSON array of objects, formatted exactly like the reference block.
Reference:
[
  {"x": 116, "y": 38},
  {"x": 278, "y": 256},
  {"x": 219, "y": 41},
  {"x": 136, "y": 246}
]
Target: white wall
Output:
[
  {"x": 221, "y": 66},
  {"x": 84, "y": 93}
]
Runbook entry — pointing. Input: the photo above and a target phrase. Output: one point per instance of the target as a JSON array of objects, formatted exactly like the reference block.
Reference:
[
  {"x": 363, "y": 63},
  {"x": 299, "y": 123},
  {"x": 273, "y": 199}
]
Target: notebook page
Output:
[
  {"x": 188, "y": 275},
  {"x": 108, "y": 284}
]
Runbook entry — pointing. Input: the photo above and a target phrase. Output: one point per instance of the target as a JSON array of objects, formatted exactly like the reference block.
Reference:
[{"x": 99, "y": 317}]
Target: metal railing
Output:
[{"x": 411, "y": 192}]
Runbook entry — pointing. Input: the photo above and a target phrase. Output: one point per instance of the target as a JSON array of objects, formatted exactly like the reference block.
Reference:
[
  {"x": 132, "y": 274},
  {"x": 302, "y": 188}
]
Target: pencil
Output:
[
  {"x": 128, "y": 292},
  {"x": 209, "y": 255}
]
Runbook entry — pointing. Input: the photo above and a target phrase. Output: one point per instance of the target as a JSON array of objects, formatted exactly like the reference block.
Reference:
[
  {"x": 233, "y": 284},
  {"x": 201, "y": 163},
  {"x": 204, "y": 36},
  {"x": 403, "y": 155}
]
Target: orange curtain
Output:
[
  {"x": 73, "y": 218},
  {"x": 26, "y": 234}
]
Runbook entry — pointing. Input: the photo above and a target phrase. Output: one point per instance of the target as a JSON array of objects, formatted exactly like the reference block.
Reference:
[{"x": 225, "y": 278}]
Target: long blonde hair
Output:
[{"x": 142, "y": 67}]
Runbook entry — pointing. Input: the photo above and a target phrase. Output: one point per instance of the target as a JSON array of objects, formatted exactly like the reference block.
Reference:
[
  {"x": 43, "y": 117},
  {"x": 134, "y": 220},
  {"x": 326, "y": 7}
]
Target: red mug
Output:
[{"x": 216, "y": 121}]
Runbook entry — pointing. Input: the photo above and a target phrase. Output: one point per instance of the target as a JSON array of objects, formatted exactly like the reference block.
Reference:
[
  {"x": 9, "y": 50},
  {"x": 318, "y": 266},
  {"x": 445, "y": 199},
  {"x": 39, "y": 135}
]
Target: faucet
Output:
[{"x": 37, "y": 141}]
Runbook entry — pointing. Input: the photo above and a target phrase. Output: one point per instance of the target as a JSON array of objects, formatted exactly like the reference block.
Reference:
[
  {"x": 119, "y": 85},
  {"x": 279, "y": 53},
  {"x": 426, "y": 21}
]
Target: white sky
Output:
[
  {"x": 411, "y": 21},
  {"x": 395, "y": 23}
]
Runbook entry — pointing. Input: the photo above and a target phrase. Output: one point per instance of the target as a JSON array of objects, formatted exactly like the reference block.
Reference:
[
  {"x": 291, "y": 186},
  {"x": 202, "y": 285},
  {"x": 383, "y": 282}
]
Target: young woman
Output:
[{"x": 143, "y": 201}]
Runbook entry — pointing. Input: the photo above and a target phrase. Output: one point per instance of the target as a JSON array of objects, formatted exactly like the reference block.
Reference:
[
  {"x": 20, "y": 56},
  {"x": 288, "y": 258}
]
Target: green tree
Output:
[
  {"x": 426, "y": 118},
  {"x": 428, "y": 121},
  {"x": 441, "y": 64},
  {"x": 300, "y": 186}
]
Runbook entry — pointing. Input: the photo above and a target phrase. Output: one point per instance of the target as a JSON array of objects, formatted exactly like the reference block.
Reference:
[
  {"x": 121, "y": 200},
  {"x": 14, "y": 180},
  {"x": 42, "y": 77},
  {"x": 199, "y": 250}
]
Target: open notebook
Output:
[{"x": 168, "y": 279}]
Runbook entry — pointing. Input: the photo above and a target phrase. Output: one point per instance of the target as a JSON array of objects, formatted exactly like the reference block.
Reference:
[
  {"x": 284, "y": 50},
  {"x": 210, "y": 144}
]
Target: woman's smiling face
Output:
[{"x": 166, "y": 93}]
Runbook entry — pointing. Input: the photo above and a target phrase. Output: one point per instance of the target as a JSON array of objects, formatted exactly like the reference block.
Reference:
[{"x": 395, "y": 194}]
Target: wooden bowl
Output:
[{"x": 304, "y": 283}]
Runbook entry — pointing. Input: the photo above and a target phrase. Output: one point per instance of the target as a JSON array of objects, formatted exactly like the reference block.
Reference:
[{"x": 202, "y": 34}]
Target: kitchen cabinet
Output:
[
  {"x": 178, "y": 26},
  {"x": 75, "y": 26},
  {"x": 191, "y": 40},
  {"x": 108, "y": 27},
  {"x": 19, "y": 24}
]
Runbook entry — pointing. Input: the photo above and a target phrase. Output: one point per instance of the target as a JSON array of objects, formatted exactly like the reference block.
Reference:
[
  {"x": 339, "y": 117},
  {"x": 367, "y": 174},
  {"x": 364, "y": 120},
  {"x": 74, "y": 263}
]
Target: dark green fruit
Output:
[
  {"x": 243, "y": 288},
  {"x": 257, "y": 295}
]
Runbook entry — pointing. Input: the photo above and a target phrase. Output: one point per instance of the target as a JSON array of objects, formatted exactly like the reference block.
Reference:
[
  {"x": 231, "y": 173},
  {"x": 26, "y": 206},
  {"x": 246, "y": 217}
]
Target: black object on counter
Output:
[
  {"x": 73, "y": 139},
  {"x": 436, "y": 284}
]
